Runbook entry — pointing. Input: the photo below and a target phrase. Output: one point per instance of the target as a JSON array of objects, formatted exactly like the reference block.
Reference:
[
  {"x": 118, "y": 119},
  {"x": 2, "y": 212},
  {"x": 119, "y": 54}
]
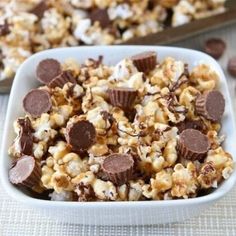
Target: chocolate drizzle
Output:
[
  {"x": 96, "y": 63},
  {"x": 178, "y": 83},
  {"x": 172, "y": 102},
  {"x": 85, "y": 192}
]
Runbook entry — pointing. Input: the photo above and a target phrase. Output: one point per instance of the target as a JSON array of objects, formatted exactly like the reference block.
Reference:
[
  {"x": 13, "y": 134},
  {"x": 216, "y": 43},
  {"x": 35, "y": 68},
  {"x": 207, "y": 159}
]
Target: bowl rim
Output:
[{"x": 23, "y": 198}]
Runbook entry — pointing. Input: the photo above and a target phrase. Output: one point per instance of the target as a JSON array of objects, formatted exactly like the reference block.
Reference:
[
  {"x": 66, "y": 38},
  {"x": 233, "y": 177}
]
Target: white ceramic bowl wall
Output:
[{"x": 113, "y": 213}]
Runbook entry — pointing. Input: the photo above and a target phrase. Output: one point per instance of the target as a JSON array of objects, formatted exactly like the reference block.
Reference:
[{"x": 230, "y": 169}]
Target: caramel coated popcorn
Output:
[
  {"x": 29, "y": 26},
  {"x": 138, "y": 130}
]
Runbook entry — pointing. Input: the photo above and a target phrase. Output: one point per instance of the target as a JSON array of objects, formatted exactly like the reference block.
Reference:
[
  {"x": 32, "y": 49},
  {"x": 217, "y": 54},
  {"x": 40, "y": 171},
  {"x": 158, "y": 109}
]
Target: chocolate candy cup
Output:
[
  {"x": 47, "y": 70},
  {"x": 215, "y": 47},
  {"x": 80, "y": 135},
  {"x": 26, "y": 171},
  {"x": 62, "y": 79},
  {"x": 118, "y": 167},
  {"x": 193, "y": 144},
  {"x": 232, "y": 66},
  {"x": 210, "y": 105},
  {"x": 190, "y": 124},
  {"x": 122, "y": 97},
  {"x": 37, "y": 102},
  {"x": 25, "y": 137},
  {"x": 145, "y": 62}
]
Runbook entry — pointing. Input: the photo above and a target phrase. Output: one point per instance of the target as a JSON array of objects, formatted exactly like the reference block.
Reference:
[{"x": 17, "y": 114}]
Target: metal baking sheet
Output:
[{"x": 172, "y": 34}]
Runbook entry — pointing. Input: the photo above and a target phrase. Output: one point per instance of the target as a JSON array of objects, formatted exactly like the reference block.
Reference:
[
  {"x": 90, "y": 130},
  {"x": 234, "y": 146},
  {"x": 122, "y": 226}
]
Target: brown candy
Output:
[
  {"x": 4, "y": 29},
  {"x": 25, "y": 137},
  {"x": 190, "y": 124},
  {"x": 210, "y": 105},
  {"x": 47, "y": 70},
  {"x": 232, "y": 66},
  {"x": 26, "y": 171},
  {"x": 37, "y": 102},
  {"x": 193, "y": 144},
  {"x": 122, "y": 97},
  {"x": 215, "y": 47},
  {"x": 101, "y": 16},
  {"x": 145, "y": 62},
  {"x": 80, "y": 135},
  {"x": 118, "y": 167},
  {"x": 62, "y": 79},
  {"x": 39, "y": 9}
]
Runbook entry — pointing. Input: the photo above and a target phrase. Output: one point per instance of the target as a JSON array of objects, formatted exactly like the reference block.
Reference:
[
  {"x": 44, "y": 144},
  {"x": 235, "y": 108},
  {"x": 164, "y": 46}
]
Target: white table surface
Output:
[{"x": 17, "y": 220}]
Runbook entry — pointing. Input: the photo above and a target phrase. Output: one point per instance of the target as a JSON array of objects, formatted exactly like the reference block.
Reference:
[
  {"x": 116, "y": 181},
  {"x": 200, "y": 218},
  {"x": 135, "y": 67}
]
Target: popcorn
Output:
[
  {"x": 184, "y": 180},
  {"x": 222, "y": 162},
  {"x": 54, "y": 25},
  {"x": 208, "y": 176},
  {"x": 65, "y": 23},
  {"x": 148, "y": 132},
  {"x": 204, "y": 78}
]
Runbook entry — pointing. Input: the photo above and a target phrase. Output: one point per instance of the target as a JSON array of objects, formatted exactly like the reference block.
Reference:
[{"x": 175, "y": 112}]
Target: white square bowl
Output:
[{"x": 113, "y": 213}]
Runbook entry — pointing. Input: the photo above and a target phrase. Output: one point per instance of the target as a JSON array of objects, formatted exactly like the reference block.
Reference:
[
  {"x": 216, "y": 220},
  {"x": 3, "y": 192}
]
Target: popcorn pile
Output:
[
  {"x": 29, "y": 26},
  {"x": 142, "y": 129}
]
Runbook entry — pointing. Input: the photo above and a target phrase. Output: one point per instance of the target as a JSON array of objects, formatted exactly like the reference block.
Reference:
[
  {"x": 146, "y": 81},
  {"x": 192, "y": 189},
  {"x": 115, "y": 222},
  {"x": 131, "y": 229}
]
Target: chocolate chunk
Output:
[
  {"x": 39, "y": 9},
  {"x": 232, "y": 66},
  {"x": 25, "y": 137},
  {"x": 118, "y": 167},
  {"x": 190, "y": 124},
  {"x": 210, "y": 105},
  {"x": 47, "y": 70},
  {"x": 81, "y": 135},
  {"x": 145, "y": 62},
  {"x": 62, "y": 79},
  {"x": 215, "y": 47},
  {"x": 193, "y": 144},
  {"x": 37, "y": 102},
  {"x": 26, "y": 171},
  {"x": 122, "y": 97},
  {"x": 4, "y": 29},
  {"x": 101, "y": 16}
]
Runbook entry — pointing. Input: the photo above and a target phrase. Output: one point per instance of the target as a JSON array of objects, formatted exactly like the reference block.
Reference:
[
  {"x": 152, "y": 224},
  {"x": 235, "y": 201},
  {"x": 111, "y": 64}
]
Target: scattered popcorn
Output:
[{"x": 36, "y": 25}]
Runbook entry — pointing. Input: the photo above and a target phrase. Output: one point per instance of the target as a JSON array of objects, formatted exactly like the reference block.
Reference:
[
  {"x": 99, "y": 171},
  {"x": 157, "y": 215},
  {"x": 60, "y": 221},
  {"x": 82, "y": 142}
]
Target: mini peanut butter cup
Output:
[
  {"x": 62, "y": 79},
  {"x": 26, "y": 171},
  {"x": 80, "y": 135},
  {"x": 193, "y": 145},
  {"x": 215, "y": 47},
  {"x": 118, "y": 168},
  {"x": 145, "y": 62},
  {"x": 190, "y": 124},
  {"x": 47, "y": 70},
  {"x": 25, "y": 137},
  {"x": 37, "y": 102},
  {"x": 122, "y": 97},
  {"x": 210, "y": 105},
  {"x": 232, "y": 66}
]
